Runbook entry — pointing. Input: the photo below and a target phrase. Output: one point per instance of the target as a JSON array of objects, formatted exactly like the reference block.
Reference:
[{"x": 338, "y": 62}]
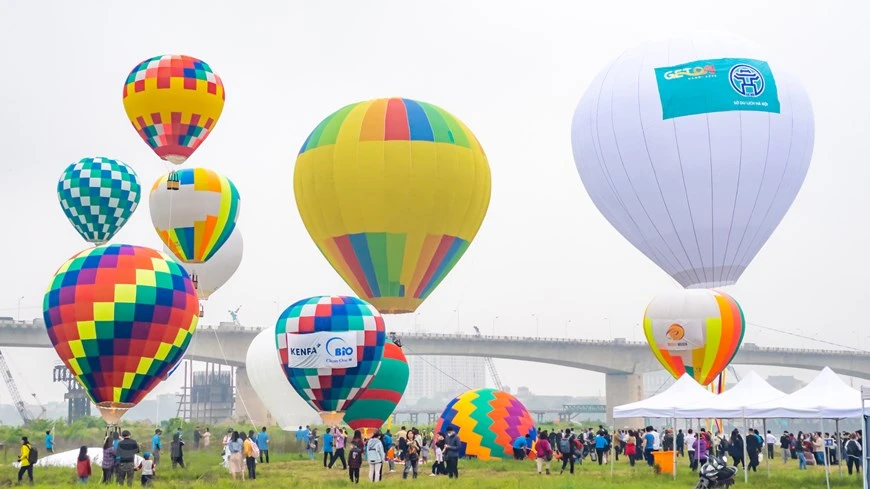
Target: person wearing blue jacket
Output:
[
  {"x": 263, "y": 444},
  {"x": 521, "y": 447},
  {"x": 327, "y": 448}
]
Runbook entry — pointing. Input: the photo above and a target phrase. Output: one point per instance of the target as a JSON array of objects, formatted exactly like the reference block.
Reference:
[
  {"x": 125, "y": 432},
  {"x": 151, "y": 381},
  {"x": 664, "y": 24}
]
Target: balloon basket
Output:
[
  {"x": 172, "y": 182},
  {"x": 332, "y": 418}
]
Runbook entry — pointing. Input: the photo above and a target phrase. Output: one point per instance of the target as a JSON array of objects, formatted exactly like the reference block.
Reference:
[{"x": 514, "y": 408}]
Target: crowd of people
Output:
[{"x": 413, "y": 448}]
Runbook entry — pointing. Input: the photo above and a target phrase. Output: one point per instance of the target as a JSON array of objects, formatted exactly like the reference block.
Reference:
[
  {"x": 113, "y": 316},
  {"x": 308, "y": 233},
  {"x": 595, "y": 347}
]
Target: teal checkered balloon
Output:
[{"x": 98, "y": 195}]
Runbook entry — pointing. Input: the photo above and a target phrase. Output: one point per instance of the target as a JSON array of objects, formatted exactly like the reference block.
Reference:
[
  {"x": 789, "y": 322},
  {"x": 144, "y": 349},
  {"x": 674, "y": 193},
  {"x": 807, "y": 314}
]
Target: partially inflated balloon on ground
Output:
[
  {"x": 376, "y": 403},
  {"x": 196, "y": 219},
  {"x": 487, "y": 422},
  {"x": 173, "y": 102},
  {"x": 120, "y": 317},
  {"x": 330, "y": 348},
  {"x": 98, "y": 196},
  {"x": 696, "y": 331},
  {"x": 694, "y": 149},
  {"x": 392, "y": 191}
]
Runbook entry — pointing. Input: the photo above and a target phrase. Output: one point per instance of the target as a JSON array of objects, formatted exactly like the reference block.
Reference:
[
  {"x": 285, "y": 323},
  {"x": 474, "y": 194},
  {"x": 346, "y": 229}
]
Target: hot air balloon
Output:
[
  {"x": 213, "y": 274},
  {"x": 392, "y": 191},
  {"x": 120, "y": 317},
  {"x": 330, "y": 348},
  {"x": 696, "y": 331},
  {"x": 377, "y": 402},
  {"x": 694, "y": 149},
  {"x": 98, "y": 195},
  {"x": 198, "y": 218},
  {"x": 173, "y": 102},
  {"x": 269, "y": 382},
  {"x": 487, "y": 422}
]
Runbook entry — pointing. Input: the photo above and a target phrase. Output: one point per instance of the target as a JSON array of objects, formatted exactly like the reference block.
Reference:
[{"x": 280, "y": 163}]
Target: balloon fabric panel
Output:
[
  {"x": 487, "y": 422},
  {"x": 195, "y": 220},
  {"x": 120, "y": 317},
  {"x": 333, "y": 389},
  {"x": 376, "y": 403},
  {"x": 98, "y": 196},
  {"x": 173, "y": 102},
  {"x": 392, "y": 191}
]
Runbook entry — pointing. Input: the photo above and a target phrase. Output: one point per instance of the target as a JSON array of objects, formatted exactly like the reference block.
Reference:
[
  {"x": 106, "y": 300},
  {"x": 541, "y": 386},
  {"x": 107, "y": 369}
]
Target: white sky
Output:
[{"x": 513, "y": 71}]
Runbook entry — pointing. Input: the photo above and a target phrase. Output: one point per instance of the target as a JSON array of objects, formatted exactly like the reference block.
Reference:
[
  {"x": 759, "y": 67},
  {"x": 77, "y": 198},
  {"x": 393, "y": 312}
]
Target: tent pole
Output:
[
  {"x": 674, "y": 437},
  {"x": 764, "y": 428},
  {"x": 839, "y": 448},
  {"x": 746, "y": 450},
  {"x": 825, "y": 454}
]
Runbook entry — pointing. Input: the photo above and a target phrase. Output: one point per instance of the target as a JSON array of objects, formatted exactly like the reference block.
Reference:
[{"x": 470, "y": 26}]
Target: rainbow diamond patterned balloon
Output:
[
  {"x": 120, "y": 317},
  {"x": 326, "y": 389},
  {"x": 487, "y": 422}
]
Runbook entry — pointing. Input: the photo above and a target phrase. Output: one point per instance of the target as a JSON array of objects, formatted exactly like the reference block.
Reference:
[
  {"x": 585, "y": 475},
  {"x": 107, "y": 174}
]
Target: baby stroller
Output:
[{"x": 716, "y": 473}]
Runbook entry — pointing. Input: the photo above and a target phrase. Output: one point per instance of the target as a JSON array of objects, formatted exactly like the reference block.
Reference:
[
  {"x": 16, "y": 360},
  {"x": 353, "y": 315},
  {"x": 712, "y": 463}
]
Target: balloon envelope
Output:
[
  {"x": 392, "y": 191},
  {"x": 694, "y": 331},
  {"x": 487, "y": 422},
  {"x": 213, "y": 274},
  {"x": 269, "y": 382},
  {"x": 195, "y": 220},
  {"x": 120, "y": 317},
  {"x": 371, "y": 409},
  {"x": 98, "y": 196},
  {"x": 173, "y": 102},
  {"x": 327, "y": 389},
  {"x": 694, "y": 149}
]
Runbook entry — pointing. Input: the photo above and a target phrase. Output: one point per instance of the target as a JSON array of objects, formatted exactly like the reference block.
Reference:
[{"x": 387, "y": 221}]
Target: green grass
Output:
[{"x": 295, "y": 470}]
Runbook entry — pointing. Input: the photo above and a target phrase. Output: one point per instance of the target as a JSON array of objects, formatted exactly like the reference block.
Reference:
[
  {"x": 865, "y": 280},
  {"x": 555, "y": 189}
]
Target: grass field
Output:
[{"x": 295, "y": 470}]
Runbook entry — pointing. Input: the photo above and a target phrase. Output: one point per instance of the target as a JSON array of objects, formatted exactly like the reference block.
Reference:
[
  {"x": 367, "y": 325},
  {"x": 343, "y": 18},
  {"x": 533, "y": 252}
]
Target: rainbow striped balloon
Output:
[
  {"x": 695, "y": 331},
  {"x": 487, "y": 422},
  {"x": 392, "y": 191},
  {"x": 195, "y": 220}
]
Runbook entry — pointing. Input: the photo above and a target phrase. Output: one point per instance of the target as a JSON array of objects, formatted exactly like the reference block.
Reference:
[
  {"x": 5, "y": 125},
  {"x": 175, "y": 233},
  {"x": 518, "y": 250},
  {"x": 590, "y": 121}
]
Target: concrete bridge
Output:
[{"x": 622, "y": 362}]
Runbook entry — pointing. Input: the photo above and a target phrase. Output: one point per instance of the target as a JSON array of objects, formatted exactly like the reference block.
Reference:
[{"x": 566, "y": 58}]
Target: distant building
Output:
[
  {"x": 785, "y": 383},
  {"x": 434, "y": 377}
]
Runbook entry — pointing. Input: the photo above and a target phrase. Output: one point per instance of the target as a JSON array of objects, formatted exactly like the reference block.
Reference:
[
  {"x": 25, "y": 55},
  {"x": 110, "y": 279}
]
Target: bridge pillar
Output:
[
  {"x": 246, "y": 398},
  {"x": 622, "y": 389}
]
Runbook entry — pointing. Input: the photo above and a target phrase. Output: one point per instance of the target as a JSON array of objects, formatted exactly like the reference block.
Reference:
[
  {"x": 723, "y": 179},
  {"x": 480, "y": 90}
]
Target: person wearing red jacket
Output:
[
  {"x": 83, "y": 465},
  {"x": 544, "y": 452}
]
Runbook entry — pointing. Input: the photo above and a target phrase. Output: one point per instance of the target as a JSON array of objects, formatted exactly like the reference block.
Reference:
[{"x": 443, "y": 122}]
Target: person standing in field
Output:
[
  {"x": 108, "y": 462},
  {"x": 236, "y": 458},
  {"x": 26, "y": 466},
  {"x": 354, "y": 461},
  {"x": 197, "y": 436},
  {"x": 156, "y": 445},
  {"x": 249, "y": 450},
  {"x": 338, "y": 442},
  {"x": 451, "y": 452},
  {"x": 83, "y": 465},
  {"x": 49, "y": 442},
  {"x": 544, "y": 452},
  {"x": 327, "y": 448},
  {"x": 375, "y": 456},
  {"x": 126, "y": 453},
  {"x": 206, "y": 438},
  {"x": 263, "y": 444},
  {"x": 176, "y": 451},
  {"x": 147, "y": 468}
]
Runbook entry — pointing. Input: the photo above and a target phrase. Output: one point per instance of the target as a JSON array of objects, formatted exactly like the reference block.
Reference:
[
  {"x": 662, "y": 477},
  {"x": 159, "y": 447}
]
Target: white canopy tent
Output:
[
  {"x": 685, "y": 391},
  {"x": 826, "y": 396},
  {"x": 731, "y": 404}
]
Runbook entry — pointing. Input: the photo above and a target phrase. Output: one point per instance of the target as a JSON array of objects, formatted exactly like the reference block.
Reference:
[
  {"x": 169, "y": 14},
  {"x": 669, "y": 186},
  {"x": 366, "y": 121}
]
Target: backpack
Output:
[
  {"x": 255, "y": 450},
  {"x": 564, "y": 446},
  {"x": 33, "y": 455}
]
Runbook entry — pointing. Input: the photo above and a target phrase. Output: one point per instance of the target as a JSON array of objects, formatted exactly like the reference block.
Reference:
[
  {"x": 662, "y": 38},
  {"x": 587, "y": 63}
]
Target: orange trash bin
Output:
[{"x": 665, "y": 460}]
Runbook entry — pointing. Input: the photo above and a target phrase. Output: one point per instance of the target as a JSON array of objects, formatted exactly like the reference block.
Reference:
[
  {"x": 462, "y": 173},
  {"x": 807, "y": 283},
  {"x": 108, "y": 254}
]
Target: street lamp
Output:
[
  {"x": 493, "y": 325},
  {"x": 18, "y": 315},
  {"x": 537, "y": 325},
  {"x": 566, "y": 328},
  {"x": 416, "y": 315},
  {"x": 609, "y": 327},
  {"x": 457, "y": 320}
]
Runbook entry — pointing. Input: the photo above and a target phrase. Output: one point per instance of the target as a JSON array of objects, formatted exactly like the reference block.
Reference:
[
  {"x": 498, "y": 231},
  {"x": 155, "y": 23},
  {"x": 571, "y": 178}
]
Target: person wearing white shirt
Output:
[
  {"x": 690, "y": 444},
  {"x": 770, "y": 440}
]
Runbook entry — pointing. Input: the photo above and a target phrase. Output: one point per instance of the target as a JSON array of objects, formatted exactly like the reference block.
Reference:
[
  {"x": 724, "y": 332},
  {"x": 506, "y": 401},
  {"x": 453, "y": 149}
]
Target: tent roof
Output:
[
  {"x": 751, "y": 390},
  {"x": 683, "y": 392},
  {"x": 826, "y": 396}
]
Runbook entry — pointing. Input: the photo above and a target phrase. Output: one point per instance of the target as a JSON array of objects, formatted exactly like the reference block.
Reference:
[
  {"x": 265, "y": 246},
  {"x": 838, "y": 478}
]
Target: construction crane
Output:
[
  {"x": 491, "y": 366},
  {"x": 22, "y": 408}
]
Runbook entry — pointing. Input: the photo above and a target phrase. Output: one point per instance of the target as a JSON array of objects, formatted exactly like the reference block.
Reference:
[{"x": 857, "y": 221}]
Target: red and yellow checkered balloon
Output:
[
  {"x": 120, "y": 317},
  {"x": 173, "y": 102}
]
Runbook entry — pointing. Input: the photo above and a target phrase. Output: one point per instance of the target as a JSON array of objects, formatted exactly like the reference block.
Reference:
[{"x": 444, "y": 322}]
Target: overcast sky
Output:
[{"x": 512, "y": 71}]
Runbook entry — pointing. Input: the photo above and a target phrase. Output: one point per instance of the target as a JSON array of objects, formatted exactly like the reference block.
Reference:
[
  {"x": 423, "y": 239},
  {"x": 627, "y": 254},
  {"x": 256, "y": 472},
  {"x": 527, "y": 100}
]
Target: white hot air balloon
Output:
[
  {"x": 694, "y": 149},
  {"x": 213, "y": 274},
  {"x": 269, "y": 382}
]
